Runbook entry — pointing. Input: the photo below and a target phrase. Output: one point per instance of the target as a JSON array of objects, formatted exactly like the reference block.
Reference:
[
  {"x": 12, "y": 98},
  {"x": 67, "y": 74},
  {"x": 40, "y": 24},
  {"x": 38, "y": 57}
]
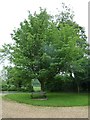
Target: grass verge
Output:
[{"x": 54, "y": 99}]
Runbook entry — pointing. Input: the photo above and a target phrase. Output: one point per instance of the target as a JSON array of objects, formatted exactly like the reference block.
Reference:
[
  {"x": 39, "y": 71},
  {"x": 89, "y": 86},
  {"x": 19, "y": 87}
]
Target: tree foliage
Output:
[{"x": 46, "y": 46}]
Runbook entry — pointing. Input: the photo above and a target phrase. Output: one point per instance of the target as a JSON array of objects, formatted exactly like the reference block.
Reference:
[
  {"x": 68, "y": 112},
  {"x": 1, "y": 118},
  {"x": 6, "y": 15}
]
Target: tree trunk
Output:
[
  {"x": 42, "y": 85},
  {"x": 78, "y": 88},
  {"x": 70, "y": 74},
  {"x": 77, "y": 83}
]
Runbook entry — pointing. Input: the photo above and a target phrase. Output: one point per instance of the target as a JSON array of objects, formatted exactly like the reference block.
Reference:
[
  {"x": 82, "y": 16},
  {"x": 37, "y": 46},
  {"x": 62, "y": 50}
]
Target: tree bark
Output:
[
  {"x": 78, "y": 88},
  {"x": 42, "y": 85}
]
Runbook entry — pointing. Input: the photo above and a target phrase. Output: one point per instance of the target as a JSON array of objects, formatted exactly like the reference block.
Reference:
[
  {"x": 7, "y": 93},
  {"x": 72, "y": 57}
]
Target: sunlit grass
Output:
[
  {"x": 37, "y": 88},
  {"x": 54, "y": 99}
]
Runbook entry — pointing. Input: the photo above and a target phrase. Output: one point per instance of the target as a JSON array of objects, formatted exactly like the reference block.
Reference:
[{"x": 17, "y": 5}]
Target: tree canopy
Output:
[{"x": 46, "y": 46}]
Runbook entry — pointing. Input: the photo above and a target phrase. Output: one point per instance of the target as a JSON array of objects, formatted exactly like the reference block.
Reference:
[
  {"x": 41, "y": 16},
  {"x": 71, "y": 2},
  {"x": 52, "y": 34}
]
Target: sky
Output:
[{"x": 12, "y": 12}]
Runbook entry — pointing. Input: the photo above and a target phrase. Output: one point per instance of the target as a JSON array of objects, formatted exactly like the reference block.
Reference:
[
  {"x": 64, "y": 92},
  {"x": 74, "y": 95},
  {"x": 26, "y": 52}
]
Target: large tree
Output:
[{"x": 45, "y": 46}]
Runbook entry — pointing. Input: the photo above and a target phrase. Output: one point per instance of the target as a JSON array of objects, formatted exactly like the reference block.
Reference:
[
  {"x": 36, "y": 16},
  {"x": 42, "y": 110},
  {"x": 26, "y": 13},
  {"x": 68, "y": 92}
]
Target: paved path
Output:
[{"x": 16, "y": 110}]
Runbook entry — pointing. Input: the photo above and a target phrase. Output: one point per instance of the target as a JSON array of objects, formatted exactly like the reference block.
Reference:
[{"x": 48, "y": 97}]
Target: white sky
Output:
[{"x": 12, "y": 12}]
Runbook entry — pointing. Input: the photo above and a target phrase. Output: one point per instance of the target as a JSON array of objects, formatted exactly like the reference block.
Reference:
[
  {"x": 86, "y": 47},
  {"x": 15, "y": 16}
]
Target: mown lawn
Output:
[
  {"x": 37, "y": 88},
  {"x": 54, "y": 99}
]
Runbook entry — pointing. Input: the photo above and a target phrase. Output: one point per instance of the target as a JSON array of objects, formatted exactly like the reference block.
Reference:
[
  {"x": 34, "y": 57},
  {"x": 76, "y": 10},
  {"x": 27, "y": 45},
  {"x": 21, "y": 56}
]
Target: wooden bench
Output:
[{"x": 38, "y": 95}]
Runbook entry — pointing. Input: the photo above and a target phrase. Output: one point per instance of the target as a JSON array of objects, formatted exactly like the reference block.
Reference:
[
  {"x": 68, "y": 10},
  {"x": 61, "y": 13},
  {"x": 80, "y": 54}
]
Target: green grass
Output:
[
  {"x": 54, "y": 99},
  {"x": 37, "y": 88}
]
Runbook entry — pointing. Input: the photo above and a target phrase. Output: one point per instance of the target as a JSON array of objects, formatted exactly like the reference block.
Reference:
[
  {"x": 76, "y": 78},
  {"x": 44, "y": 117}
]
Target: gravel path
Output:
[{"x": 17, "y": 110}]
